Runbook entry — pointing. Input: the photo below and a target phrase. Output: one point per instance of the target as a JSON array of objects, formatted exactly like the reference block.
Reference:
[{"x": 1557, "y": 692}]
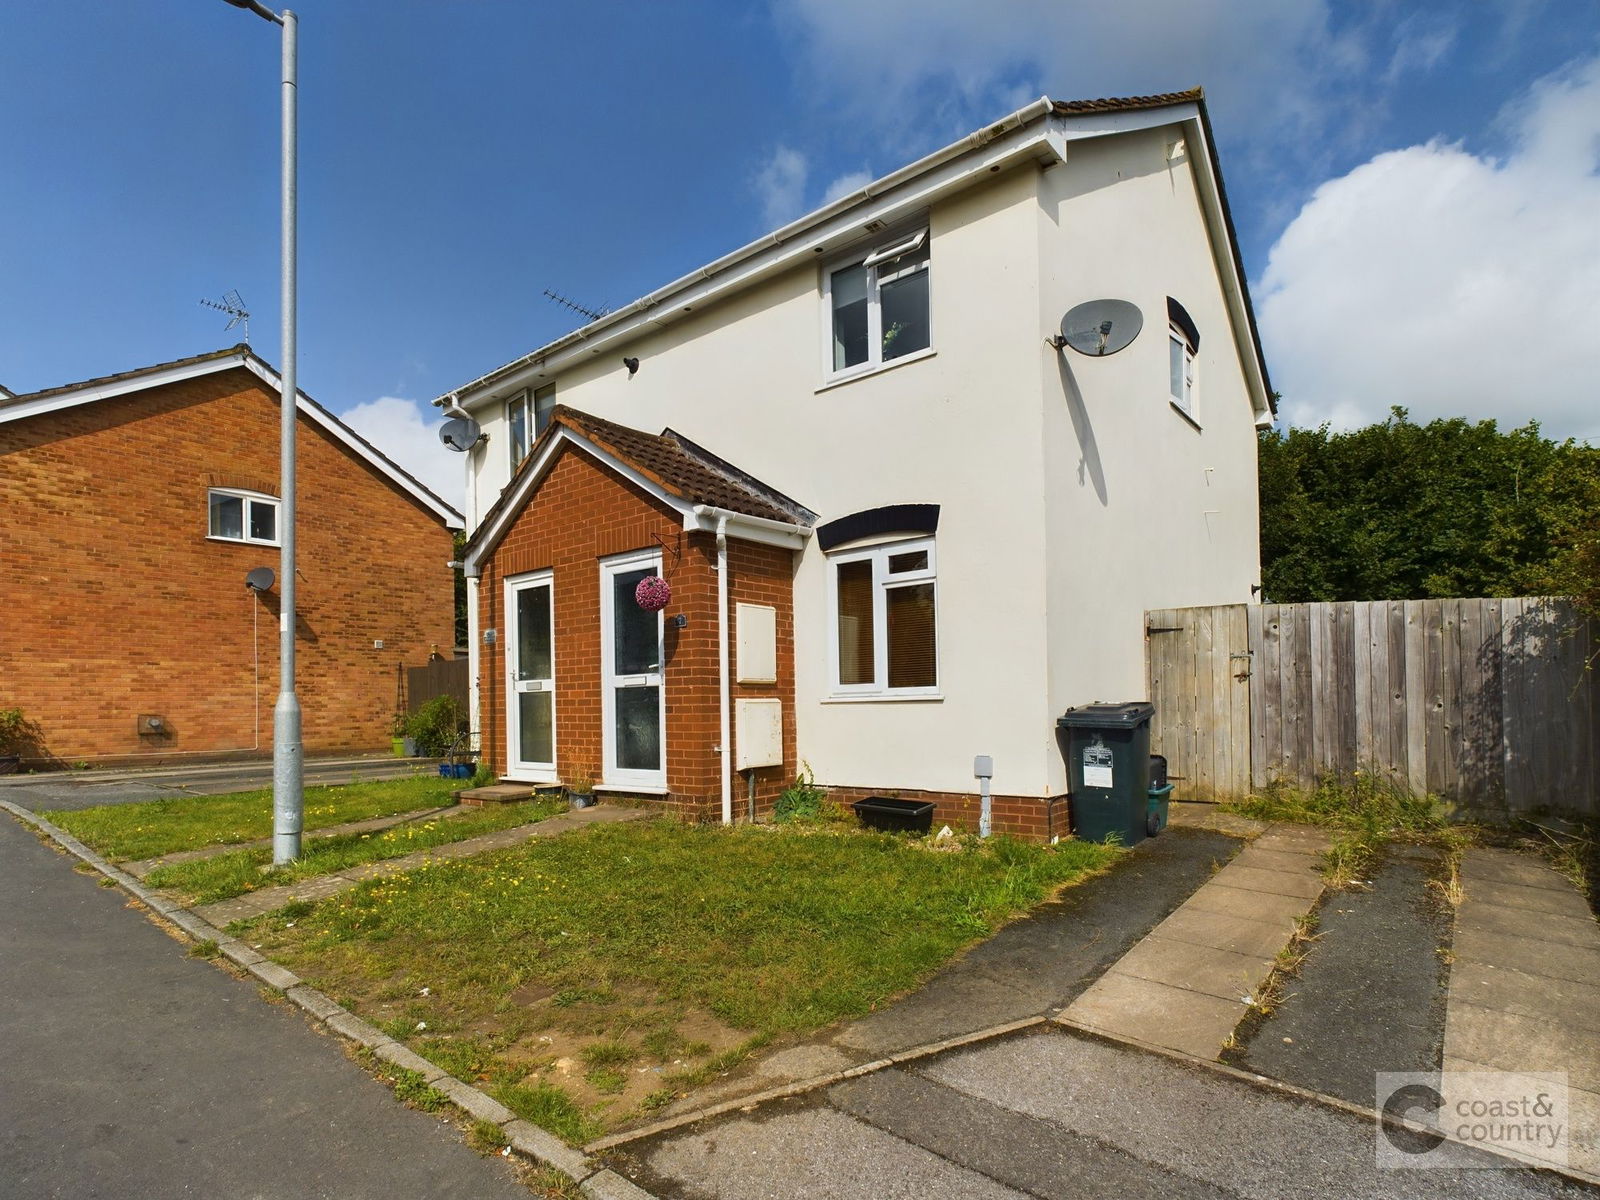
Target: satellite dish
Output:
[
  {"x": 460, "y": 433},
  {"x": 1100, "y": 327},
  {"x": 260, "y": 579}
]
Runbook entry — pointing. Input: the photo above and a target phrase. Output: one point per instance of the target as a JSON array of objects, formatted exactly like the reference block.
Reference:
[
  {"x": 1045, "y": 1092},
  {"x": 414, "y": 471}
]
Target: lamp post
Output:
[{"x": 288, "y": 789}]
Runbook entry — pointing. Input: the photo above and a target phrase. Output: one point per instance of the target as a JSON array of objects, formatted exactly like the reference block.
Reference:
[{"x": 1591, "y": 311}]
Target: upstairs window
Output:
[
  {"x": 885, "y": 620},
  {"x": 1180, "y": 369},
  {"x": 877, "y": 305},
  {"x": 243, "y": 517},
  {"x": 527, "y": 413}
]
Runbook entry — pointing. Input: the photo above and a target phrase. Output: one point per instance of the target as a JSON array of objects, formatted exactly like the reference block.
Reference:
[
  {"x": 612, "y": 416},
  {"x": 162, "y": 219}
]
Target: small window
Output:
[
  {"x": 877, "y": 305},
  {"x": 526, "y": 417},
  {"x": 243, "y": 517},
  {"x": 1180, "y": 370},
  {"x": 885, "y": 621}
]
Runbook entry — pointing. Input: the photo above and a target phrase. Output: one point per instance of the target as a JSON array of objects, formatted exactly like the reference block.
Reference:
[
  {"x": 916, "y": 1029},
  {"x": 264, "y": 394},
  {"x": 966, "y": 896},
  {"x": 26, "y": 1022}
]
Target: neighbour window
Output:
[
  {"x": 244, "y": 517},
  {"x": 526, "y": 417},
  {"x": 884, "y": 602},
  {"x": 1180, "y": 369},
  {"x": 877, "y": 304}
]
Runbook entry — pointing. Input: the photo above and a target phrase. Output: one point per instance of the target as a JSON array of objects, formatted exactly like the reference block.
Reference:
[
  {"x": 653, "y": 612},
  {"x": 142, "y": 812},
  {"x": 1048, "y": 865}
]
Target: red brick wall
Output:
[
  {"x": 1021, "y": 816},
  {"x": 581, "y": 513},
  {"x": 114, "y": 603}
]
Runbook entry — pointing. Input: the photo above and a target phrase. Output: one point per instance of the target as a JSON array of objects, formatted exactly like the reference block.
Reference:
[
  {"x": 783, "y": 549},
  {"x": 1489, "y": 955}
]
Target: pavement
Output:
[
  {"x": 133, "y": 1071},
  {"x": 54, "y": 791}
]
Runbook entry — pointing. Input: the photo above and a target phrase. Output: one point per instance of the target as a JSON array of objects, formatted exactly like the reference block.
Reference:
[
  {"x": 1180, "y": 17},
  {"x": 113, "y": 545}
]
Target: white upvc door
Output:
[
  {"x": 531, "y": 678},
  {"x": 633, "y": 695}
]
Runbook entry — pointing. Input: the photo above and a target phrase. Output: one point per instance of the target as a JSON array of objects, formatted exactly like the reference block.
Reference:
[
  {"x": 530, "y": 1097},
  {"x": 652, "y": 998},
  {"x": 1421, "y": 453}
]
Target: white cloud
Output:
[
  {"x": 780, "y": 185},
  {"x": 407, "y": 431},
  {"x": 854, "y": 181},
  {"x": 1453, "y": 284}
]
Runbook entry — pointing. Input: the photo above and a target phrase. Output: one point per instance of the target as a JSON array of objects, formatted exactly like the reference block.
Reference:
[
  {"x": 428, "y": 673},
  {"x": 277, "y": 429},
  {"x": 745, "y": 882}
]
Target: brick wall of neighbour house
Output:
[
  {"x": 1030, "y": 817},
  {"x": 115, "y": 603},
  {"x": 583, "y": 512}
]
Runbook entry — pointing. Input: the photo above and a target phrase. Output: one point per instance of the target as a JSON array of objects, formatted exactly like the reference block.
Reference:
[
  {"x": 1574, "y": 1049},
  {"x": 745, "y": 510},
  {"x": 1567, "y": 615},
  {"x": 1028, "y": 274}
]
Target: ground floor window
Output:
[{"x": 885, "y": 629}]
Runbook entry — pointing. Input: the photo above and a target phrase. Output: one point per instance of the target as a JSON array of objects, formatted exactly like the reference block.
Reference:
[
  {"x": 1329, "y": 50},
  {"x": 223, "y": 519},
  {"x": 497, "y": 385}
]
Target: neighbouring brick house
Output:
[
  {"x": 132, "y": 507},
  {"x": 954, "y": 434}
]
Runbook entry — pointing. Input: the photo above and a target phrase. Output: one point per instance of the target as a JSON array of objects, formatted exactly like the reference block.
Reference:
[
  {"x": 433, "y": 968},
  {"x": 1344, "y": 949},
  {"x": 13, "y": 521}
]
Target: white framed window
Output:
[
  {"x": 527, "y": 413},
  {"x": 876, "y": 305},
  {"x": 237, "y": 516},
  {"x": 884, "y": 605},
  {"x": 1180, "y": 370}
]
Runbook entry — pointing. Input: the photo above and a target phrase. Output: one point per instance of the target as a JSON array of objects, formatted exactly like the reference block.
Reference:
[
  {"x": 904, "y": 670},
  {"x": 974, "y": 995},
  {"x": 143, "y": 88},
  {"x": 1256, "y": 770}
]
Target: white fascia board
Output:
[
  {"x": 342, "y": 433},
  {"x": 1222, "y": 253},
  {"x": 119, "y": 387},
  {"x": 535, "y": 474}
]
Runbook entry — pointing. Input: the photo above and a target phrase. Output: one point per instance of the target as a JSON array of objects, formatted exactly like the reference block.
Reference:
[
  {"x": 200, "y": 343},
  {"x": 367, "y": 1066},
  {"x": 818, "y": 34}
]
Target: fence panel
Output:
[
  {"x": 441, "y": 677},
  {"x": 1491, "y": 703}
]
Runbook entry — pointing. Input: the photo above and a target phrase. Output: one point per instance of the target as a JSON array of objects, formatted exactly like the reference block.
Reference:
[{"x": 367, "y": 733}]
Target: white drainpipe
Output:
[{"x": 723, "y": 697}]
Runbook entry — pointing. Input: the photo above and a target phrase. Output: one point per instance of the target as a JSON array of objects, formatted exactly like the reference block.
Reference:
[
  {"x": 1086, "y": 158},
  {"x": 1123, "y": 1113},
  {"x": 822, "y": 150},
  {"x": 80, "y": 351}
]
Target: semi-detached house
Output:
[{"x": 901, "y": 524}]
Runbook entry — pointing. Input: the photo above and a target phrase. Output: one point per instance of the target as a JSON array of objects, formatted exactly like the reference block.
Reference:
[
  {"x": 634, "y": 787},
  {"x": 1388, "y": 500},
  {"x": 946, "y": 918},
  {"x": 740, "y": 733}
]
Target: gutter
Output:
[{"x": 724, "y": 690}]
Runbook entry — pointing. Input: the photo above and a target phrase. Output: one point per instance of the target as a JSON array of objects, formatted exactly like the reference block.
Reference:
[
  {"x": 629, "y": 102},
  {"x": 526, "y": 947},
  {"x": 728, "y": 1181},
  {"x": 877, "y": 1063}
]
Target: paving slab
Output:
[
  {"x": 1220, "y": 897},
  {"x": 1523, "y": 954},
  {"x": 1508, "y": 866},
  {"x": 1194, "y": 815},
  {"x": 1278, "y": 860},
  {"x": 1218, "y": 973},
  {"x": 1302, "y": 884},
  {"x": 1538, "y": 997},
  {"x": 1261, "y": 939},
  {"x": 1534, "y": 1046},
  {"x": 1558, "y": 902},
  {"x": 1526, "y": 923},
  {"x": 1178, "y": 1018}
]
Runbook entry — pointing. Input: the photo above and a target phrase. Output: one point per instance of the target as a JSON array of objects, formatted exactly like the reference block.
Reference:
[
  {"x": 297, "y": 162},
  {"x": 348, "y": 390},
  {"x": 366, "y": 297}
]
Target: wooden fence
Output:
[
  {"x": 441, "y": 677},
  {"x": 1489, "y": 703}
]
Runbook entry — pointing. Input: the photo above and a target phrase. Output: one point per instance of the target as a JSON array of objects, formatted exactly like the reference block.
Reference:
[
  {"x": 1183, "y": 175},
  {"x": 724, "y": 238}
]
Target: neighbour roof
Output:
[
  {"x": 812, "y": 232},
  {"x": 667, "y": 459},
  {"x": 231, "y": 357}
]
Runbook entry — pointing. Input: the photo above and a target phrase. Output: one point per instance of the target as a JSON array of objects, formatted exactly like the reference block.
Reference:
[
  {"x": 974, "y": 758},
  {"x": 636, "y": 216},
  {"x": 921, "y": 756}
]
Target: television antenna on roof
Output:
[
  {"x": 232, "y": 304},
  {"x": 594, "y": 314}
]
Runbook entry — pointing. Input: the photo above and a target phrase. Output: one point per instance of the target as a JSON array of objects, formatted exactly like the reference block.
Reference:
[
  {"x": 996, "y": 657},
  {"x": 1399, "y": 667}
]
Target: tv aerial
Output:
[
  {"x": 594, "y": 314},
  {"x": 460, "y": 434},
  {"x": 1099, "y": 327},
  {"x": 232, "y": 304}
]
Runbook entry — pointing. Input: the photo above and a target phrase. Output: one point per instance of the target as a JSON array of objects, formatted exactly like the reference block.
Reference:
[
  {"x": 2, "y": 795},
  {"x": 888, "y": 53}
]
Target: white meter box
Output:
[{"x": 758, "y": 734}]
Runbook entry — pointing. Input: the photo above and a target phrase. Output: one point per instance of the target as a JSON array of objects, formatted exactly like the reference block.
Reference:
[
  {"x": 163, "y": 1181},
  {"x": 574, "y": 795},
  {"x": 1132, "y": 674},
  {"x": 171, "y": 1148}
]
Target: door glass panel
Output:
[
  {"x": 536, "y": 726},
  {"x": 638, "y": 732},
  {"x": 533, "y": 633},
  {"x": 636, "y": 634}
]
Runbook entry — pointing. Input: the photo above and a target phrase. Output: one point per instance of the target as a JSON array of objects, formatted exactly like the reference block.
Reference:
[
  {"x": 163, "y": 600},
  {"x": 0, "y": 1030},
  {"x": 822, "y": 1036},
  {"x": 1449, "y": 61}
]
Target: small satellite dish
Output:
[
  {"x": 460, "y": 433},
  {"x": 260, "y": 579},
  {"x": 1100, "y": 327}
]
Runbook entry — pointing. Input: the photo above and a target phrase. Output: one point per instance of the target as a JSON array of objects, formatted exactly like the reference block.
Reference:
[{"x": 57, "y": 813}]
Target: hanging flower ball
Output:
[{"x": 653, "y": 593}]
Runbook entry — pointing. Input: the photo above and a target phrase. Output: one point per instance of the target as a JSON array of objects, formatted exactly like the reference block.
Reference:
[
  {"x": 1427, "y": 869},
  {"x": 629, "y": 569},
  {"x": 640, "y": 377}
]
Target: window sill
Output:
[
  {"x": 1186, "y": 416},
  {"x": 888, "y": 698},
  {"x": 227, "y": 541},
  {"x": 632, "y": 789},
  {"x": 866, "y": 372}
]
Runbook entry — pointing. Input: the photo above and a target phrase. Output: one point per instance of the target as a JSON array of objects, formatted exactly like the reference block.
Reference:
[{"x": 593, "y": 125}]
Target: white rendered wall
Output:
[{"x": 1143, "y": 508}]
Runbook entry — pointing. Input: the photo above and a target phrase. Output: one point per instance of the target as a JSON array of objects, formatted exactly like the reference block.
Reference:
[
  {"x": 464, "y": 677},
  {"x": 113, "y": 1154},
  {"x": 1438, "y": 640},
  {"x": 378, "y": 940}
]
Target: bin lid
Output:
[{"x": 1128, "y": 715}]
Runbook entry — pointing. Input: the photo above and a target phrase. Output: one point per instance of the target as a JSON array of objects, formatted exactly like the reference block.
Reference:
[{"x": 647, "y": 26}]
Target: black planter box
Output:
[{"x": 895, "y": 816}]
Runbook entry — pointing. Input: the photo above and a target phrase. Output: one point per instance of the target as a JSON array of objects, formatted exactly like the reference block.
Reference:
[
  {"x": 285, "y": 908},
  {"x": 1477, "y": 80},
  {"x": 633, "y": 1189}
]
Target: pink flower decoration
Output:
[{"x": 653, "y": 593}]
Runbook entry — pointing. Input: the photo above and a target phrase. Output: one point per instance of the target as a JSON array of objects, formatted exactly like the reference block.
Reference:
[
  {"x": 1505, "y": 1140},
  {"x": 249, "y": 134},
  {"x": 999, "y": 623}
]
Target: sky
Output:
[{"x": 1416, "y": 185}]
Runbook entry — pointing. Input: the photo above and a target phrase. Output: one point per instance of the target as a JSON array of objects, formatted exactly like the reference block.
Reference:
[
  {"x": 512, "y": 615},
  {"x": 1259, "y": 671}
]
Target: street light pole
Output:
[{"x": 288, "y": 786}]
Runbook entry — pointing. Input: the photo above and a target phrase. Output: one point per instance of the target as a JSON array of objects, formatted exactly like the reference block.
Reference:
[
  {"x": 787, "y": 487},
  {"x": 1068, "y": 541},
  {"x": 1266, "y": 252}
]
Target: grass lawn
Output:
[
  {"x": 207, "y": 880},
  {"x": 594, "y": 977},
  {"x": 124, "y": 832}
]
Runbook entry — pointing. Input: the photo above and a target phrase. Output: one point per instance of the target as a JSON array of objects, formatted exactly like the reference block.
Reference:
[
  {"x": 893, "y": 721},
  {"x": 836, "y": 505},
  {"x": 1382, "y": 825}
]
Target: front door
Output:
[
  {"x": 633, "y": 698},
  {"x": 531, "y": 686}
]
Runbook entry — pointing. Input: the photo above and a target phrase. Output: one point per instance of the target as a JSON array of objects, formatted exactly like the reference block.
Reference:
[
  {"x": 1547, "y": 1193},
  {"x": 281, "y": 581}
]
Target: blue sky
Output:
[{"x": 1415, "y": 184}]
